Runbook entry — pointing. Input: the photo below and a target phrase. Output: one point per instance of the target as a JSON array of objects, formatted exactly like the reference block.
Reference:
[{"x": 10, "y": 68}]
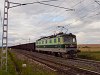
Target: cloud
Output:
[
  {"x": 88, "y": 38},
  {"x": 81, "y": 37},
  {"x": 94, "y": 25},
  {"x": 34, "y": 21}
]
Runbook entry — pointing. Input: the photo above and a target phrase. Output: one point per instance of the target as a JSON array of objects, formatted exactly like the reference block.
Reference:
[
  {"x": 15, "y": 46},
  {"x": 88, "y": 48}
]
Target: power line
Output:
[
  {"x": 53, "y": 11},
  {"x": 67, "y": 9},
  {"x": 51, "y": 16},
  {"x": 64, "y": 11},
  {"x": 82, "y": 16},
  {"x": 78, "y": 3},
  {"x": 20, "y": 4},
  {"x": 56, "y": 8},
  {"x": 98, "y": 2},
  {"x": 85, "y": 15},
  {"x": 71, "y": 7},
  {"x": 41, "y": 2}
]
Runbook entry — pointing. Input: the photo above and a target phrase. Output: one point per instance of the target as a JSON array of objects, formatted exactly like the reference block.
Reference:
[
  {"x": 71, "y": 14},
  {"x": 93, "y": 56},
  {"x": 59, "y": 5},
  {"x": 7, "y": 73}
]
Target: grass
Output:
[
  {"x": 92, "y": 49},
  {"x": 30, "y": 69},
  {"x": 92, "y": 55},
  {"x": 33, "y": 69},
  {"x": 11, "y": 68}
]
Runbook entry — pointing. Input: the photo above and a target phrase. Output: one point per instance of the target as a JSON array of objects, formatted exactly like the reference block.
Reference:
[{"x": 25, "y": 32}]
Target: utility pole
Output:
[{"x": 7, "y": 5}]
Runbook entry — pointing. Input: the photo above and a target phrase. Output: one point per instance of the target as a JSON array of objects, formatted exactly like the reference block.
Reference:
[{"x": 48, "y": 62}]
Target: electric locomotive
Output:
[{"x": 61, "y": 44}]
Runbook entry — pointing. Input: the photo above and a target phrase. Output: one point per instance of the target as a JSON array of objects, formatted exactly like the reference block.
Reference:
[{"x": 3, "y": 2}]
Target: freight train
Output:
[{"x": 61, "y": 44}]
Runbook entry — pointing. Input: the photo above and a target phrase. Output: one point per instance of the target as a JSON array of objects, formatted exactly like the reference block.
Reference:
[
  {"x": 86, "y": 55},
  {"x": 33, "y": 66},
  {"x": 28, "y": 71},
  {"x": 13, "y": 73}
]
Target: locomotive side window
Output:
[
  {"x": 54, "y": 40},
  {"x": 50, "y": 41},
  {"x": 58, "y": 39},
  {"x": 42, "y": 42},
  {"x": 46, "y": 41}
]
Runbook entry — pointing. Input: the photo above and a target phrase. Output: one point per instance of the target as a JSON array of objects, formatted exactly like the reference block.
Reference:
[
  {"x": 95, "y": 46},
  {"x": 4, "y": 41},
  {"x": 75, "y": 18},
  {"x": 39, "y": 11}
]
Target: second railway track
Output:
[{"x": 59, "y": 64}]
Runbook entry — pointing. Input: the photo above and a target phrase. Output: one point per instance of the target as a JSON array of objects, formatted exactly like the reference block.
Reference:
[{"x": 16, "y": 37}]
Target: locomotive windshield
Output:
[{"x": 69, "y": 39}]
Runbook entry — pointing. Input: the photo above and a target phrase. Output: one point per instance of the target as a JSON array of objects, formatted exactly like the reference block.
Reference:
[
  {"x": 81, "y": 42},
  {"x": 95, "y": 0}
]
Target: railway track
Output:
[
  {"x": 58, "y": 64},
  {"x": 86, "y": 60},
  {"x": 92, "y": 63}
]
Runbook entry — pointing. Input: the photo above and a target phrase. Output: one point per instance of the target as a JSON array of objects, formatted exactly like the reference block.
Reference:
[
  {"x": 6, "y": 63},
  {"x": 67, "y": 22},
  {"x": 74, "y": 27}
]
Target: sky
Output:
[{"x": 31, "y": 22}]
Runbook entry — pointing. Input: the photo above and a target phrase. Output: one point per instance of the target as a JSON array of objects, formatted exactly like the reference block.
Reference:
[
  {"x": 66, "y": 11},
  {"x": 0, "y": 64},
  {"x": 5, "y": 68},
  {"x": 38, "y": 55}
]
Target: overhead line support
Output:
[{"x": 5, "y": 37}]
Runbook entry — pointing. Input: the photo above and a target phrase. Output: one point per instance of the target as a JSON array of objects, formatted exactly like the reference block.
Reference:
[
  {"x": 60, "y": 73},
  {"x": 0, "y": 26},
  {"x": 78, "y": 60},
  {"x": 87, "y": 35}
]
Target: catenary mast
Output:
[{"x": 5, "y": 37}]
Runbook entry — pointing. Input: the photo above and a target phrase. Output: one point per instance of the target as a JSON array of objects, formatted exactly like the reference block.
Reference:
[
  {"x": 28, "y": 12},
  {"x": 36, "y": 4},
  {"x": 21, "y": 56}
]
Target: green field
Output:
[
  {"x": 90, "y": 49},
  {"x": 93, "y": 55},
  {"x": 30, "y": 69}
]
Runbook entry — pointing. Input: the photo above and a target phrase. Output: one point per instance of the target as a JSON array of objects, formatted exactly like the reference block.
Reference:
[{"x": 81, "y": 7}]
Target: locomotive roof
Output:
[{"x": 59, "y": 34}]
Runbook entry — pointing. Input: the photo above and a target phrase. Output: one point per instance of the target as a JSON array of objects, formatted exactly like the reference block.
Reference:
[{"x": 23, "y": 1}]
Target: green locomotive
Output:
[{"x": 61, "y": 44}]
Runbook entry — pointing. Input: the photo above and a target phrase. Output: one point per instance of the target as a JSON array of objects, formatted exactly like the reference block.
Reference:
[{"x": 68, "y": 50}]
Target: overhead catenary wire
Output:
[
  {"x": 75, "y": 5},
  {"x": 71, "y": 7},
  {"x": 20, "y": 4},
  {"x": 85, "y": 15},
  {"x": 89, "y": 10},
  {"x": 65, "y": 12},
  {"x": 98, "y": 2},
  {"x": 82, "y": 16},
  {"x": 78, "y": 4},
  {"x": 54, "y": 11},
  {"x": 41, "y": 2}
]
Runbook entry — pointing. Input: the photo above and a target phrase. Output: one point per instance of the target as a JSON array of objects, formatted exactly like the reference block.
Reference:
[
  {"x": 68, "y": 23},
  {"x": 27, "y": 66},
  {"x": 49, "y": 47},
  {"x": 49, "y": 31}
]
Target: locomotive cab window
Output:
[
  {"x": 69, "y": 39},
  {"x": 74, "y": 39}
]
